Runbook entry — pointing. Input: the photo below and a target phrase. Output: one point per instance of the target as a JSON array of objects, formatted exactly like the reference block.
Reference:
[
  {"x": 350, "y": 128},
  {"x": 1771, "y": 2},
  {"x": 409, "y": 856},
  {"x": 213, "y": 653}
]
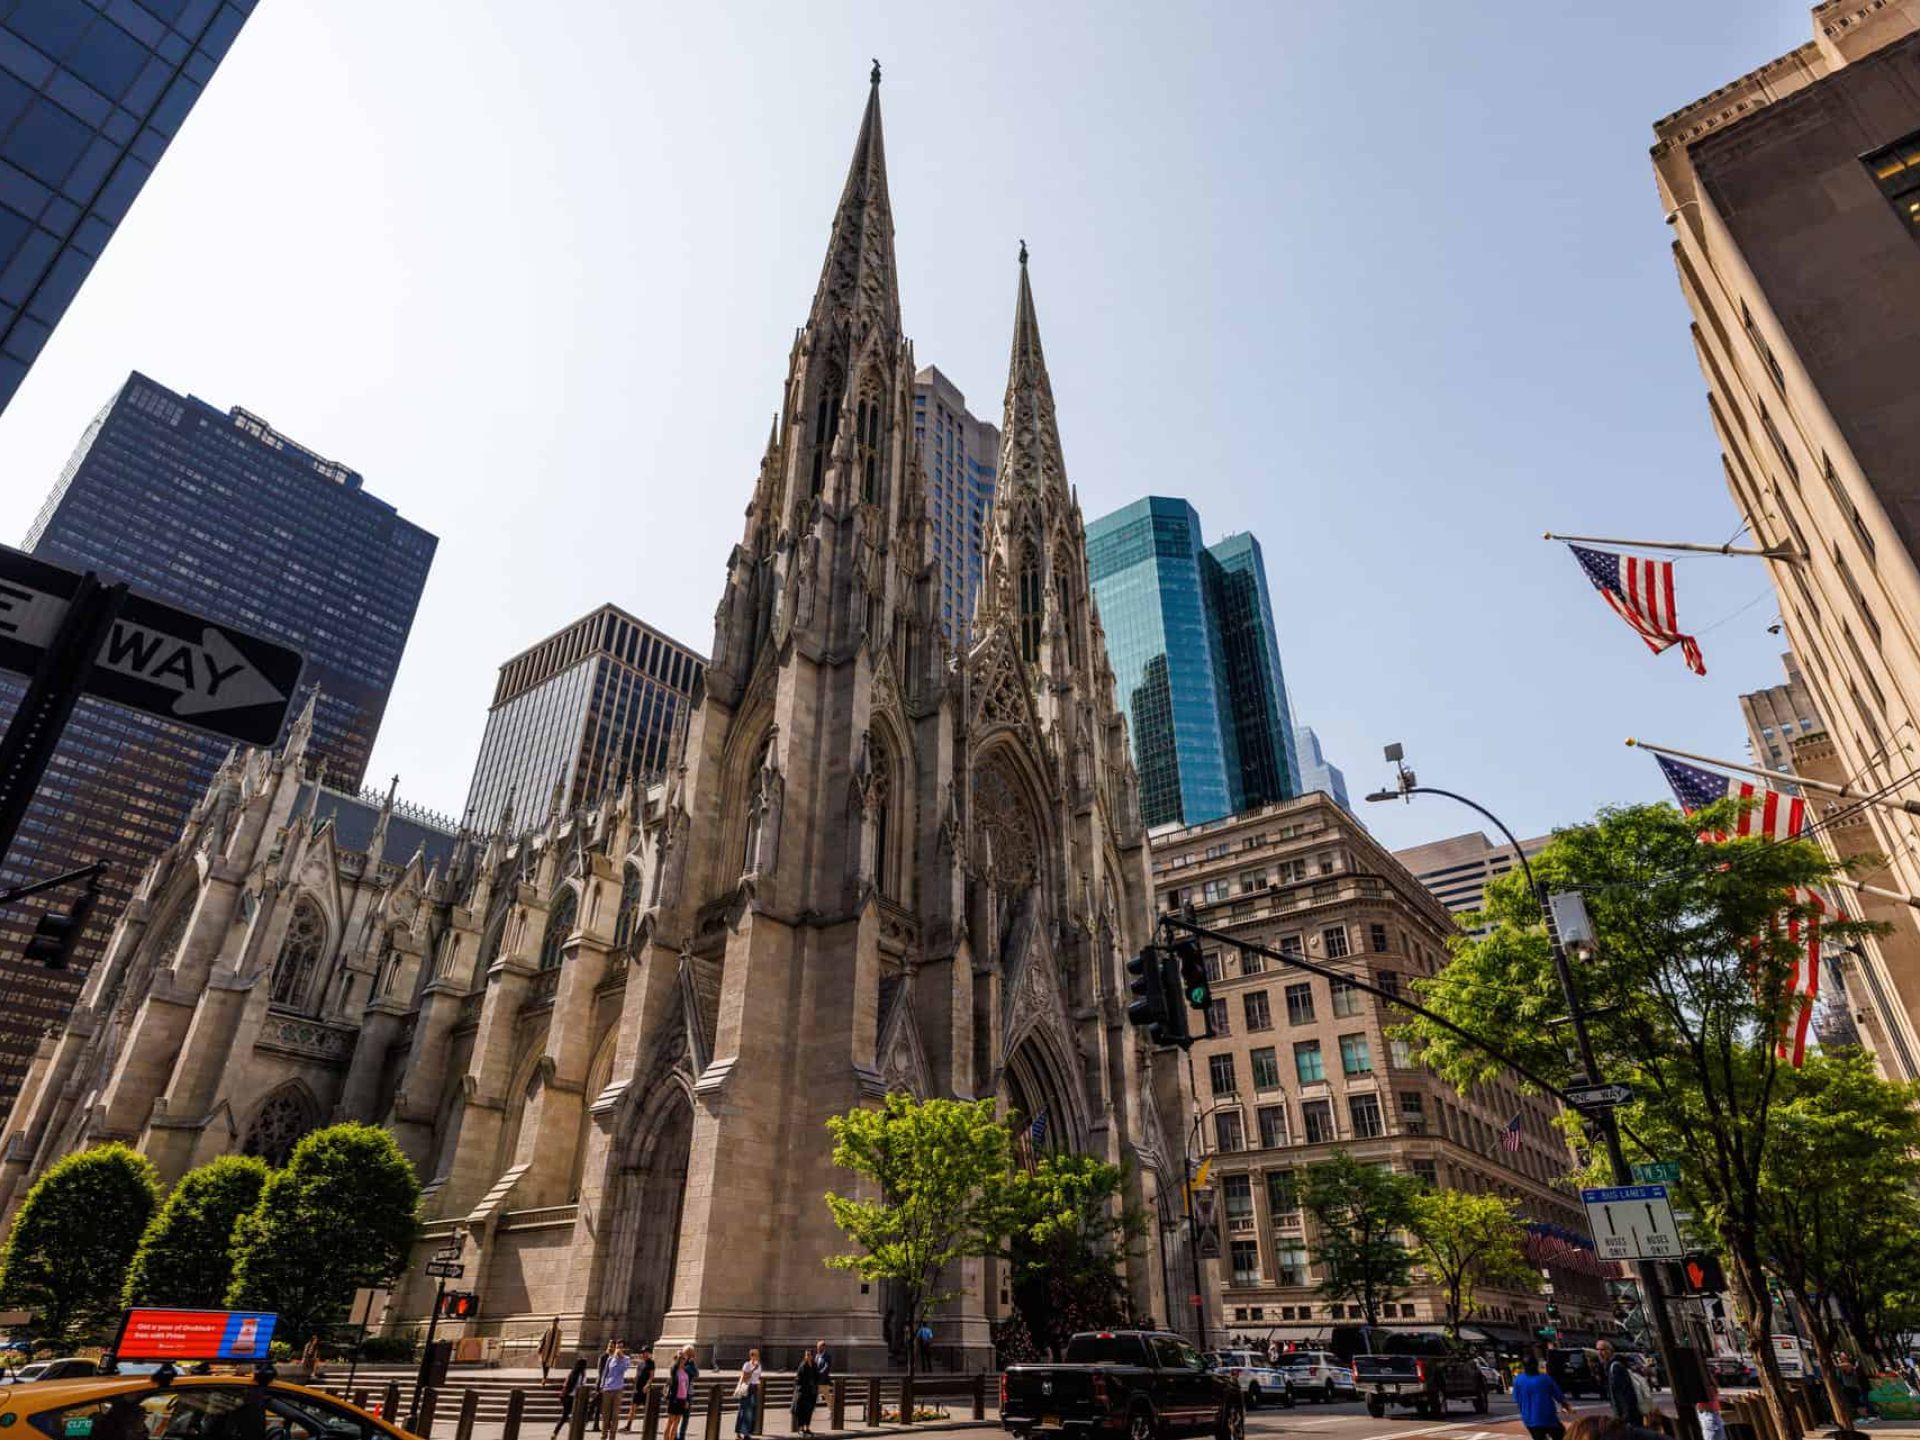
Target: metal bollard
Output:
[
  {"x": 469, "y": 1407},
  {"x": 577, "y": 1421},
  {"x": 837, "y": 1405},
  {"x": 873, "y": 1403},
  {"x": 716, "y": 1395},
  {"x": 760, "y": 1406},
  {"x": 429, "y": 1398},
  {"x": 650, "y": 1417},
  {"x": 360, "y": 1398},
  {"x": 906, "y": 1401},
  {"x": 980, "y": 1396},
  {"x": 516, "y": 1408},
  {"x": 390, "y": 1403}
]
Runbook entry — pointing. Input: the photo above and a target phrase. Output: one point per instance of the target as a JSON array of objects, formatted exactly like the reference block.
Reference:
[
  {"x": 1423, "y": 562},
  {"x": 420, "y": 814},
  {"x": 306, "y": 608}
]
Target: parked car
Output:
[
  {"x": 1489, "y": 1372},
  {"x": 1423, "y": 1373},
  {"x": 1578, "y": 1371},
  {"x": 1733, "y": 1371},
  {"x": 1318, "y": 1374},
  {"x": 1152, "y": 1384},
  {"x": 72, "y": 1367},
  {"x": 1260, "y": 1380}
]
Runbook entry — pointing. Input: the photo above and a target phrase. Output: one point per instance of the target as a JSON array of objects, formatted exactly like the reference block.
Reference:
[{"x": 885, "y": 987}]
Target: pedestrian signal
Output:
[{"x": 459, "y": 1305}]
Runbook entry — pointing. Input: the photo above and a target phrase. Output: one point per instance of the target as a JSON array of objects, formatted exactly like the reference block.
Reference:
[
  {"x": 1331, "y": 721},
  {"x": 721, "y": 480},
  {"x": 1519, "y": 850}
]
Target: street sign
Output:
[
  {"x": 1632, "y": 1222},
  {"x": 447, "y": 1252},
  {"x": 1598, "y": 1097},
  {"x": 445, "y": 1269},
  {"x": 156, "y": 658},
  {"x": 1657, "y": 1172}
]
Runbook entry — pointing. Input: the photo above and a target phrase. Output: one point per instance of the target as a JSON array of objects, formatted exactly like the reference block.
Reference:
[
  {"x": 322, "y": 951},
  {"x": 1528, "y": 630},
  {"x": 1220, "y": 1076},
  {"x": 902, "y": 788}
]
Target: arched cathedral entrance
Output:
[{"x": 645, "y": 1242}]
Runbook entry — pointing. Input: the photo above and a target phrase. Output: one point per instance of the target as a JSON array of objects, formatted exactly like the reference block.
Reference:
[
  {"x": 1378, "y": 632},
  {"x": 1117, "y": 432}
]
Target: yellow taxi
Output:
[{"x": 165, "y": 1406}]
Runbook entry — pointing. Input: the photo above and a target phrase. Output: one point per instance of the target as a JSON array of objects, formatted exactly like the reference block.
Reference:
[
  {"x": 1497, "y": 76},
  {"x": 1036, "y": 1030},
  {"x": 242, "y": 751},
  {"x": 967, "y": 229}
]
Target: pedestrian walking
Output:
[
  {"x": 806, "y": 1392},
  {"x": 613, "y": 1386},
  {"x": 642, "y": 1378},
  {"x": 1541, "y": 1401},
  {"x": 549, "y": 1349},
  {"x": 747, "y": 1395},
  {"x": 680, "y": 1392},
  {"x": 1623, "y": 1396},
  {"x": 923, "y": 1338},
  {"x": 823, "y": 1368},
  {"x": 576, "y": 1377}
]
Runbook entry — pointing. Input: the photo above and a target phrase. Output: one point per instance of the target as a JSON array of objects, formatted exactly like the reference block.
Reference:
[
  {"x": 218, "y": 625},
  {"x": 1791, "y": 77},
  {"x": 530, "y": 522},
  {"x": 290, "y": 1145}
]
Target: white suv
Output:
[
  {"x": 1260, "y": 1382},
  {"x": 1319, "y": 1375}
]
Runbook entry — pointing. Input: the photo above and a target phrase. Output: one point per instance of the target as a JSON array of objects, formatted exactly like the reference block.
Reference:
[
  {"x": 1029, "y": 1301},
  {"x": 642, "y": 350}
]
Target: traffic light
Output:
[
  {"x": 1151, "y": 1008},
  {"x": 59, "y": 931},
  {"x": 1703, "y": 1275},
  {"x": 459, "y": 1305},
  {"x": 1195, "y": 988}
]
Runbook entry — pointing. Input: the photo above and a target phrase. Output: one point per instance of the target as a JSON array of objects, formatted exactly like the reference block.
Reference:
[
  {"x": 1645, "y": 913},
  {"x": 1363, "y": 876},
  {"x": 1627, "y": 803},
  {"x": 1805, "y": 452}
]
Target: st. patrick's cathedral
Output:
[{"x": 610, "y": 1039}]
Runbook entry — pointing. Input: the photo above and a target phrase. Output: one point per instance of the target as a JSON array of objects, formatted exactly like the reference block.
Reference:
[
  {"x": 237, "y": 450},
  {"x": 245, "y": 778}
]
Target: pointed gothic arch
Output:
[
  {"x": 561, "y": 915},
  {"x": 643, "y": 1241},
  {"x": 300, "y": 952},
  {"x": 626, "y": 917},
  {"x": 280, "y": 1122}
]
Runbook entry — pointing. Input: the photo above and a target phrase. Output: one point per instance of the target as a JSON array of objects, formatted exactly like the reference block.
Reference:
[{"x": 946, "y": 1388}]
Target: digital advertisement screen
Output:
[{"x": 194, "y": 1335}]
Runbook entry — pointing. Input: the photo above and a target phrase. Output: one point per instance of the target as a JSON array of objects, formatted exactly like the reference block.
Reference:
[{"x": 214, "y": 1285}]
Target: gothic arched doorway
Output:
[{"x": 646, "y": 1234}]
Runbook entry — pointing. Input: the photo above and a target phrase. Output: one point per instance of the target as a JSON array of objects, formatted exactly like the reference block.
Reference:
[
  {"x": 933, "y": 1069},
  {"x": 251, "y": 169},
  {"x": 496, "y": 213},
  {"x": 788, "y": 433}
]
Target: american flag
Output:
[
  {"x": 1039, "y": 1127},
  {"x": 1510, "y": 1137},
  {"x": 1641, "y": 593},
  {"x": 1803, "y": 984},
  {"x": 1774, "y": 815}
]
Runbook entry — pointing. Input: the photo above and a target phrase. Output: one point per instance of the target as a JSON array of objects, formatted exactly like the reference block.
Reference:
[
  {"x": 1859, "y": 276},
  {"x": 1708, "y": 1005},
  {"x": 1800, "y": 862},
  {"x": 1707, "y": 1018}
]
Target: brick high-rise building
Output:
[
  {"x": 221, "y": 514},
  {"x": 1304, "y": 1068},
  {"x": 91, "y": 96},
  {"x": 1794, "y": 197}
]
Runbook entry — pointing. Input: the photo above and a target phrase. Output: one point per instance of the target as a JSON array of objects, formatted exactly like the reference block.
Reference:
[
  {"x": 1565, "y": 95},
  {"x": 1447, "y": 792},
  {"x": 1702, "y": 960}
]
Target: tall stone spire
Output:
[
  {"x": 857, "y": 282},
  {"x": 1030, "y": 439}
]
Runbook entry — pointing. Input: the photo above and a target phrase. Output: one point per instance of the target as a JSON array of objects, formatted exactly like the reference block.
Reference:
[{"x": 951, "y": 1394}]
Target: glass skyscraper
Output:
[
  {"x": 1196, "y": 662},
  {"x": 574, "y": 714},
  {"x": 91, "y": 94},
  {"x": 961, "y": 457},
  {"x": 220, "y": 514}
]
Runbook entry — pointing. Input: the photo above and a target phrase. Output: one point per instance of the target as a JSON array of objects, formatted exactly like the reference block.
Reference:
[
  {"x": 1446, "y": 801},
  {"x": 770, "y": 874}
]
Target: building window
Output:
[
  {"x": 1413, "y": 1112},
  {"x": 1377, "y": 935},
  {"x": 1283, "y": 1193},
  {"x": 1227, "y": 1133},
  {"x": 1356, "y": 1057},
  {"x": 1273, "y": 1126},
  {"x": 1364, "y": 1110},
  {"x": 1210, "y": 961},
  {"x": 1252, "y": 962},
  {"x": 1236, "y": 1193},
  {"x": 1266, "y": 1068},
  {"x": 1896, "y": 170},
  {"x": 1317, "y": 1116},
  {"x": 1292, "y": 1260},
  {"x": 1334, "y": 939},
  {"x": 1216, "y": 890},
  {"x": 1030, "y": 609},
  {"x": 1307, "y": 1063},
  {"x": 1300, "y": 1004},
  {"x": 1427, "y": 1173},
  {"x": 1259, "y": 1013},
  {"x": 559, "y": 927},
  {"x": 1400, "y": 1053},
  {"x": 1346, "y": 999},
  {"x": 1217, "y": 1017},
  {"x": 1291, "y": 945},
  {"x": 1246, "y": 1262},
  {"x": 1252, "y": 880},
  {"x": 1220, "y": 1072},
  {"x": 1389, "y": 981},
  {"x": 299, "y": 954}
]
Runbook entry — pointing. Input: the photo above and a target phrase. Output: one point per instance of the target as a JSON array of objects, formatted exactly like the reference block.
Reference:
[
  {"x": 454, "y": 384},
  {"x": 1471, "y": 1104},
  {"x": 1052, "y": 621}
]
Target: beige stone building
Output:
[
  {"x": 1304, "y": 1067},
  {"x": 1458, "y": 869},
  {"x": 610, "y": 1039},
  {"x": 1794, "y": 197}
]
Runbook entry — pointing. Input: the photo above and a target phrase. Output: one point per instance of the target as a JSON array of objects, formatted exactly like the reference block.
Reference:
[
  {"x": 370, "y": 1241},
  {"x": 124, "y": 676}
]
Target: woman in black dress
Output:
[
  {"x": 806, "y": 1394},
  {"x": 575, "y": 1378}
]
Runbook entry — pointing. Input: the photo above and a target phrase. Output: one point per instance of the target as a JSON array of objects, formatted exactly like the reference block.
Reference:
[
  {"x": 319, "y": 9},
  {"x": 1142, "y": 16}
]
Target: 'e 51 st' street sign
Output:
[
  {"x": 156, "y": 658},
  {"x": 1657, "y": 1172}
]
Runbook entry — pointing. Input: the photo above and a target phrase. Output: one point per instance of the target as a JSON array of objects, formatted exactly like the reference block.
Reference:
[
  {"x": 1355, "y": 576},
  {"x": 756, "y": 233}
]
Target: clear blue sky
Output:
[{"x": 1386, "y": 284}]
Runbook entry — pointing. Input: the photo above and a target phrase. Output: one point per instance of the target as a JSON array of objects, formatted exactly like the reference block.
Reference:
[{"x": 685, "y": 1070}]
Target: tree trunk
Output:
[
  {"x": 1829, "y": 1376},
  {"x": 1755, "y": 1311}
]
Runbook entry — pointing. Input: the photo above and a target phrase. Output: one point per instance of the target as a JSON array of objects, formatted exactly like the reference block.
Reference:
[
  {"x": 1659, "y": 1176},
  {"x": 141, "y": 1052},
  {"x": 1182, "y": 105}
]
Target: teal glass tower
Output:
[{"x": 1196, "y": 662}]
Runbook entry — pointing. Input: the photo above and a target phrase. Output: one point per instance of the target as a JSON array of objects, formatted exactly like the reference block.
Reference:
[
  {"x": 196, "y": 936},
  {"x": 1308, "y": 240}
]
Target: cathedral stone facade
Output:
[{"x": 610, "y": 1040}]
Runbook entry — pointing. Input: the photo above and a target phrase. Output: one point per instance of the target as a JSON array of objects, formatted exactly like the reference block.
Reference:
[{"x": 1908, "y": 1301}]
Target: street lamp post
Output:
[{"x": 1406, "y": 788}]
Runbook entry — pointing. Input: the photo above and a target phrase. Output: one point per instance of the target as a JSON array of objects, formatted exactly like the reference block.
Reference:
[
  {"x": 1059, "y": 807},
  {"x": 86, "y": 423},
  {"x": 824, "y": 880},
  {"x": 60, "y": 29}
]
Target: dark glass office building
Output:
[
  {"x": 219, "y": 513},
  {"x": 1196, "y": 661},
  {"x": 91, "y": 94},
  {"x": 578, "y": 713}
]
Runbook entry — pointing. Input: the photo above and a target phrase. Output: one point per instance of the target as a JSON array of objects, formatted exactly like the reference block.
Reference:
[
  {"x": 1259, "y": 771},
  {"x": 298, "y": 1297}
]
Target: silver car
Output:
[
  {"x": 1319, "y": 1375},
  {"x": 1261, "y": 1383}
]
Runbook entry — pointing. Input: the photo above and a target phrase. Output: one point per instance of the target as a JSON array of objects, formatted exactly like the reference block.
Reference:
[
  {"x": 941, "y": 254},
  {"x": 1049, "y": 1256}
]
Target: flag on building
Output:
[
  {"x": 1510, "y": 1136},
  {"x": 1773, "y": 814},
  {"x": 1803, "y": 983},
  {"x": 1641, "y": 593},
  {"x": 1039, "y": 1127}
]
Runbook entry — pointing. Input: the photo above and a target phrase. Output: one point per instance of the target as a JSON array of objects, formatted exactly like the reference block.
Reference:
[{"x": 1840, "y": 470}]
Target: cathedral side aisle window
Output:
[
  {"x": 299, "y": 954},
  {"x": 559, "y": 926}
]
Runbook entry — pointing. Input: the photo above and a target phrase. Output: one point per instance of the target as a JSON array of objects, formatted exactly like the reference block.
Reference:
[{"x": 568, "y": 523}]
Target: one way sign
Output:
[{"x": 156, "y": 658}]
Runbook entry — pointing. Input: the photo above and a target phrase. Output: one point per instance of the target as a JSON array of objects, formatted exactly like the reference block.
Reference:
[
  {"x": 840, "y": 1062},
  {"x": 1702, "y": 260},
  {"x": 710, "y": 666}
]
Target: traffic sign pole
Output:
[{"x": 58, "y": 681}]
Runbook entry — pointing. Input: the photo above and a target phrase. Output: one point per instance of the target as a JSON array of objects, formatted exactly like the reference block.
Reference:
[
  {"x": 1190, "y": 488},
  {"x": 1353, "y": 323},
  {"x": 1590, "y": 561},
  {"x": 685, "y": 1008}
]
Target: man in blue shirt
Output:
[{"x": 1540, "y": 1400}]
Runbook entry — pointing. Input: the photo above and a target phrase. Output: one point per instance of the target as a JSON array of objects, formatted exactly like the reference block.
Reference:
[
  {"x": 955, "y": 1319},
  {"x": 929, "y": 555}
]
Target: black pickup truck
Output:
[
  {"x": 1423, "y": 1372},
  {"x": 1146, "y": 1383}
]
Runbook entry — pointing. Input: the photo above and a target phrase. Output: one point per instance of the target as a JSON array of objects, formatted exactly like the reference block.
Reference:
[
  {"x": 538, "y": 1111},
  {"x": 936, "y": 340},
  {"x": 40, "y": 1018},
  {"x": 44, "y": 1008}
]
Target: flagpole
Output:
[
  {"x": 1770, "y": 552},
  {"x": 1844, "y": 792}
]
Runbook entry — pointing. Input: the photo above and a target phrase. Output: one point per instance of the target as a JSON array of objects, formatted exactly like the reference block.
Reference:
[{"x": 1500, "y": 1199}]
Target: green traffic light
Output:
[{"x": 1197, "y": 995}]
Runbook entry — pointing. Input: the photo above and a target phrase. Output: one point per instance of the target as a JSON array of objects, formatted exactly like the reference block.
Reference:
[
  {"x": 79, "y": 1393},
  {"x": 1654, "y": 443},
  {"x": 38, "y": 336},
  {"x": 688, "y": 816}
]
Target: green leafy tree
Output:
[
  {"x": 1687, "y": 990},
  {"x": 186, "y": 1256},
  {"x": 1360, "y": 1212},
  {"x": 1464, "y": 1241},
  {"x": 340, "y": 1215},
  {"x": 1838, "y": 1194},
  {"x": 938, "y": 1190},
  {"x": 1072, "y": 1229},
  {"x": 66, "y": 1256}
]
